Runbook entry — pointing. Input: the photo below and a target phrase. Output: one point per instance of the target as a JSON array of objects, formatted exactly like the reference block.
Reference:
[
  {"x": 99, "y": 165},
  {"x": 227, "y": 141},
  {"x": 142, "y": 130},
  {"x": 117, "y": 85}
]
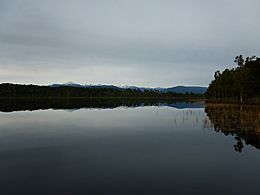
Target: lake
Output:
[{"x": 129, "y": 148}]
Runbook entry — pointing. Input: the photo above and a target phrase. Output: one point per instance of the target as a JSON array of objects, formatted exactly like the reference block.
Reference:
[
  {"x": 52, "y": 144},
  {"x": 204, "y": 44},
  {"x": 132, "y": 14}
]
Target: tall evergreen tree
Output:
[{"x": 241, "y": 84}]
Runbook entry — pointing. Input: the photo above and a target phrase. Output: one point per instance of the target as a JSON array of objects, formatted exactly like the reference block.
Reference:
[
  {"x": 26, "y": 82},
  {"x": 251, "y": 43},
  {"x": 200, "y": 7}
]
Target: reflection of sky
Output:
[
  {"x": 156, "y": 149},
  {"x": 105, "y": 118}
]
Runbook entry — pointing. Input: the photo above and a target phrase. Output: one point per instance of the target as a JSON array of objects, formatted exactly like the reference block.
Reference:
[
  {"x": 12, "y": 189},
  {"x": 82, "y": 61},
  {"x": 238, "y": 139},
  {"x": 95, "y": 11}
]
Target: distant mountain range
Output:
[
  {"x": 187, "y": 89},
  {"x": 177, "y": 89},
  {"x": 85, "y": 86}
]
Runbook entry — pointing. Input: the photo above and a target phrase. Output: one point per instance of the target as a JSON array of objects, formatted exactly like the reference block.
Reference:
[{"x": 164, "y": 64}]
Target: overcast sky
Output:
[{"x": 124, "y": 42}]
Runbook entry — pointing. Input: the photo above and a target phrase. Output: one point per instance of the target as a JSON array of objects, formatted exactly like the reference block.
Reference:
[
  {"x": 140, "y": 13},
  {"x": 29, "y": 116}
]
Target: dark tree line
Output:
[
  {"x": 35, "y": 92},
  {"x": 240, "y": 84}
]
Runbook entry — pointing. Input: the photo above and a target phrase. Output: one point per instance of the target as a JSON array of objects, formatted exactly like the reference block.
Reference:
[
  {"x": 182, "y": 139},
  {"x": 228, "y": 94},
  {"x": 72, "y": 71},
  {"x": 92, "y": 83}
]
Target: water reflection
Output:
[
  {"x": 9, "y": 105},
  {"x": 158, "y": 149},
  {"x": 242, "y": 122}
]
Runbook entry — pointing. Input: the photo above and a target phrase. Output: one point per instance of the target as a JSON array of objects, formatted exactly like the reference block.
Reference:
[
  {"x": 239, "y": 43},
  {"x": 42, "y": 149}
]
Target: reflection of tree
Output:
[
  {"x": 19, "y": 104},
  {"x": 242, "y": 122},
  {"x": 239, "y": 145}
]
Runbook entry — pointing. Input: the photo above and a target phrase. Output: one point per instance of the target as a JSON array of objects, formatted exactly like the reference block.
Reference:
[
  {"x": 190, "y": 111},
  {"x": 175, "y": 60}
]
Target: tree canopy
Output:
[{"x": 240, "y": 84}]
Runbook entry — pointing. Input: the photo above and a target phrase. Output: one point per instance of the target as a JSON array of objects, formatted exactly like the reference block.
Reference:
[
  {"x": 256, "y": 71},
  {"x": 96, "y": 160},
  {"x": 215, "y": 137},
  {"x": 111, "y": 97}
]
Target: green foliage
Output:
[{"x": 241, "y": 84}]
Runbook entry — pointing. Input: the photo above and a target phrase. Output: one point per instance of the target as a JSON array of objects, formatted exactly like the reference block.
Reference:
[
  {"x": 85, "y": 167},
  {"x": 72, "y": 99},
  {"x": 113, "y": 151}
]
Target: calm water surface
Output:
[{"x": 174, "y": 149}]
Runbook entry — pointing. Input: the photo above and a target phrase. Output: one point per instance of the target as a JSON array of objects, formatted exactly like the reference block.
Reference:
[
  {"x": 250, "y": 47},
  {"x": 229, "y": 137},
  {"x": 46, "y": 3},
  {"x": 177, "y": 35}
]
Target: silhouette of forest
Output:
[
  {"x": 35, "y": 92},
  {"x": 240, "y": 121},
  {"x": 240, "y": 84}
]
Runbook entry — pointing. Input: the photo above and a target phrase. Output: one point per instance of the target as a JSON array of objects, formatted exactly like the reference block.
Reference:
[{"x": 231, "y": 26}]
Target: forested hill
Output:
[
  {"x": 34, "y": 91},
  {"x": 240, "y": 84}
]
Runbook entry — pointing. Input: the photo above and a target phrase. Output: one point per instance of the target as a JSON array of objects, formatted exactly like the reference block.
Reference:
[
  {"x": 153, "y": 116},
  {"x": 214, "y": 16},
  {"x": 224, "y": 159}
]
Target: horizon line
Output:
[{"x": 105, "y": 84}]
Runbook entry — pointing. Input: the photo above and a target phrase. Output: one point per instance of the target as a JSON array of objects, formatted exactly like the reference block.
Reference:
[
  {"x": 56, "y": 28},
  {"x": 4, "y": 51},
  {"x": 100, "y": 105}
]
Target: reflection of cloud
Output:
[{"x": 188, "y": 116}]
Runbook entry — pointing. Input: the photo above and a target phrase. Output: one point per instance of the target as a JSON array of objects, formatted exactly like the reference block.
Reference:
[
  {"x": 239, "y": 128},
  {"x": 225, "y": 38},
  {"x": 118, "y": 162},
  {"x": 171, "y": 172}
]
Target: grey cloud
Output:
[{"x": 149, "y": 36}]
